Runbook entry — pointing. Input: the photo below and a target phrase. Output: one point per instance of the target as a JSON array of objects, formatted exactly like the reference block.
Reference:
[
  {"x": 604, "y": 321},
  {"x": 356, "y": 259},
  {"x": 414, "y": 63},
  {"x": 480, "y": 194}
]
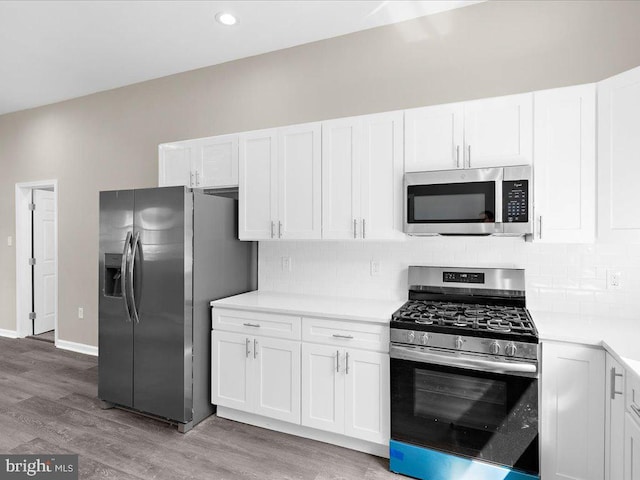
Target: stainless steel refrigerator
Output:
[{"x": 165, "y": 253}]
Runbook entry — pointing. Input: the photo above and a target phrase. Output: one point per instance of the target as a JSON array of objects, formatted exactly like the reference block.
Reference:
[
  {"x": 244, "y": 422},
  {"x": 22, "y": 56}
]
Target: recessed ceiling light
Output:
[{"x": 226, "y": 18}]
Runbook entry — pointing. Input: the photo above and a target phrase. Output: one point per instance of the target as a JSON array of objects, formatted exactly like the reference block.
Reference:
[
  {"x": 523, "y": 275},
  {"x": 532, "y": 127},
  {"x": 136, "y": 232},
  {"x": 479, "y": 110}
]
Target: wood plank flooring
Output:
[{"x": 49, "y": 405}]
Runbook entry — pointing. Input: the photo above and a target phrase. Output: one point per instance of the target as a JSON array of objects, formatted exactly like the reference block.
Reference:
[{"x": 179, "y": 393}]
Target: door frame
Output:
[{"x": 24, "y": 286}]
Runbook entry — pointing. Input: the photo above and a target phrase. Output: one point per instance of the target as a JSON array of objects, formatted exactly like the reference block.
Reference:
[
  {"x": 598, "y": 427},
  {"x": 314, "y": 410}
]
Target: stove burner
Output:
[{"x": 499, "y": 325}]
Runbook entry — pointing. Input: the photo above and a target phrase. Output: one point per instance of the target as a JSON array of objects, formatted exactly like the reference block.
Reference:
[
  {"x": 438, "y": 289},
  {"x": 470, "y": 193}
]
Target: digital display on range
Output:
[{"x": 462, "y": 277}]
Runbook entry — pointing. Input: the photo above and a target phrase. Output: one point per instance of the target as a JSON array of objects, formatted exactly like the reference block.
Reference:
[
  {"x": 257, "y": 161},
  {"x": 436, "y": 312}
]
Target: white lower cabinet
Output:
[
  {"x": 256, "y": 374},
  {"x": 346, "y": 391},
  {"x": 631, "y": 447},
  {"x": 614, "y": 419},
  {"x": 572, "y": 412}
]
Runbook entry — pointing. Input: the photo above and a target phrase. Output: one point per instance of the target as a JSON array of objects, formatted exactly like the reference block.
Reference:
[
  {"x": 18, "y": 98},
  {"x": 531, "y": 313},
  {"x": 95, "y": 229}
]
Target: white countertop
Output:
[
  {"x": 359, "y": 309},
  {"x": 619, "y": 336}
]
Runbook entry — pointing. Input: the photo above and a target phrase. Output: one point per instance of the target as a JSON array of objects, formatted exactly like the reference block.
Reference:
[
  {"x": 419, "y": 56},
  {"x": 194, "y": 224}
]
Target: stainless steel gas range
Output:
[{"x": 464, "y": 377}]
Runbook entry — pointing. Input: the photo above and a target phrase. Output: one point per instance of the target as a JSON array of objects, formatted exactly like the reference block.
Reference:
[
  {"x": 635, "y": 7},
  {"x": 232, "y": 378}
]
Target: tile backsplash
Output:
[{"x": 559, "y": 277}]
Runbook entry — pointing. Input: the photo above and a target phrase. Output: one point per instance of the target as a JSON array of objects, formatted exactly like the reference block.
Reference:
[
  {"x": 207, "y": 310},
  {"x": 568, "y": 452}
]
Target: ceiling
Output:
[{"x": 55, "y": 50}]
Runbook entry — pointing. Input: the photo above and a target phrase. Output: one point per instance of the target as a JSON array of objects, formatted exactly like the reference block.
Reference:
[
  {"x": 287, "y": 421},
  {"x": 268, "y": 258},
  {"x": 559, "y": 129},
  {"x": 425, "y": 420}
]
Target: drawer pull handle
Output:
[
  {"x": 615, "y": 392},
  {"x": 251, "y": 325},
  {"x": 337, "y": 361},
  {"x": 346, "y": 368},
  {"x": 635, "y": 409},
  {"x": 337, "y": 335}
]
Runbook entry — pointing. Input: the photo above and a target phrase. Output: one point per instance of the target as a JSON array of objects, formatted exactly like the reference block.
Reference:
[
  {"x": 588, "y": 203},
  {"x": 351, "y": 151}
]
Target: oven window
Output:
[
  {"x": 472, "y": 202},
  {"x": 460, "y": 400}
]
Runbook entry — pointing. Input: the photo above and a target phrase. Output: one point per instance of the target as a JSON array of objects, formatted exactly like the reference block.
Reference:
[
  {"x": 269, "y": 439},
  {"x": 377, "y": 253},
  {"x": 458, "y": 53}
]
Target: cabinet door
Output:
[
  {"x": 433, "y": 138},
  {"x": 323, "y": 387},
  {"x": 277, "y": 378},
  {"x": 230, "y": 370},
  {"x": 572, "y": 412},
  {"x": 175, "y": 164},
  {"x": 499, "y": 131},
  {"x": 631, "y": 448},
  {"x": 618, "y": 165},
  {"x": 257, "y": 189},
  {"x": 565, "y": 164},
  {"x": 614, "y": 419},
  {"x": 341, "y": 143},
  {"x": 367, "y": 413},
  {"x": 217, "y": 162},
  {"x": 299, "y": 182},
  {"x": 381, "y": 174}
]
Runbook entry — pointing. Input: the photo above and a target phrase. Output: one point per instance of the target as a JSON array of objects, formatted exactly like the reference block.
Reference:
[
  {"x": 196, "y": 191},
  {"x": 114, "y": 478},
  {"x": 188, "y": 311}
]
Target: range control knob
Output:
[
  {"x": 459, "y": 342},
  {"x": 510, "y": 350},
  {"x": 494, "y": 348},
  {"x": 410, "y": 336},
  {"x": 425, "y": 338}
]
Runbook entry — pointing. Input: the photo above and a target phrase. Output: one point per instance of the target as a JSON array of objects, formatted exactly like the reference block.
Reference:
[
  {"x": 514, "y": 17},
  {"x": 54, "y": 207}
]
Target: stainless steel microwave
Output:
[{"x": 478, "y": 201}]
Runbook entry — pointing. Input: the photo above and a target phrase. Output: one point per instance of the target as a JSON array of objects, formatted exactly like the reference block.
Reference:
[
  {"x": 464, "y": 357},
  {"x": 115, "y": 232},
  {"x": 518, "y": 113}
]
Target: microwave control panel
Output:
[{"x": 515, "y": 201}]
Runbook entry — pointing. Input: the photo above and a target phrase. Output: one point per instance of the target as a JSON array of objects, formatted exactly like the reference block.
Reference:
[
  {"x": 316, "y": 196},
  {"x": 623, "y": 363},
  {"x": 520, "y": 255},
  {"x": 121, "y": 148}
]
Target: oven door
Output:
[
  {"x": 454, "y": 202},
  {"x": 465, "y": 411}
]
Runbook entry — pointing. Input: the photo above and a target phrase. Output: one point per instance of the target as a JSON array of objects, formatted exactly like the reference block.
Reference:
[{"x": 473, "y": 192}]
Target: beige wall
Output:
[{"x": 109, "y": 140}]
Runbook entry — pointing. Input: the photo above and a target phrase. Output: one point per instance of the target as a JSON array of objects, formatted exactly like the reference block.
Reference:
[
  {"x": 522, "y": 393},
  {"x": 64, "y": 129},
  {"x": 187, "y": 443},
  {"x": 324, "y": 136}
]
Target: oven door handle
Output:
[{"x": 456, "y": 360}]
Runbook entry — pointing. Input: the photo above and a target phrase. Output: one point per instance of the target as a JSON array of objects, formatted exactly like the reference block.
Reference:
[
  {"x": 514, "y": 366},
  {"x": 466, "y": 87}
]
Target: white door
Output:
[
  {"x": 367, "y": 412},
  {"x": 257, "y": 190},
  {"x": 381, "y": 177},
  {"x": 565, "y": 164},
  {"x": 614, "y": 420},
  {"x": 300, "y": 182},
  {"x": 631, "y": 448},
  {"x": 175, "y": 165},
  {"x": 323, "y": 387},
  {"x": 230, "y": 370},
  {"x": 572, "y": 412},
  {"x": 499, "y": 131},
  {"x": 217, "y": 163},
  {"x": 618, "y": 160},
  {"x": 44, "y": 252},
  {"x": 433, "y": 138},
  {"x": 341, "y": 143},
  {"x": 277, "y": 378}
]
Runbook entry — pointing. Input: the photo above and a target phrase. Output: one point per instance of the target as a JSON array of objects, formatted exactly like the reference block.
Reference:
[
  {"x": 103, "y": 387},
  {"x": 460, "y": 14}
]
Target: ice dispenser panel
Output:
[{"x": 113, "y": 274}]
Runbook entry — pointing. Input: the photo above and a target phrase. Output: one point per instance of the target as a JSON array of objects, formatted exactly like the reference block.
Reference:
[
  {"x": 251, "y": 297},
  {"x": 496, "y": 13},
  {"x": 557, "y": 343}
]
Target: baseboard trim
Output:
[
  {"x": 8, "y": 333},
  {"x": 302, "y": 431},
  {"x": 77, "y": 347}
]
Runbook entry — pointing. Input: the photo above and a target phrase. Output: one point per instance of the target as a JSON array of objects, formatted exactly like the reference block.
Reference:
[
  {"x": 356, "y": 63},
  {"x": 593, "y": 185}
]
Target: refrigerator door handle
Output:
[
  {"x": 134, "y": 252},
  {"x": 123, "y": 275}
]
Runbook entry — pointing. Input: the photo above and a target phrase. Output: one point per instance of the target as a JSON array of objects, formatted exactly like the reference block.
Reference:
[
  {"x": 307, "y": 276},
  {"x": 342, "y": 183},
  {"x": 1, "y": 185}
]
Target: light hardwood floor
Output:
[{"x": 48, "y": 405}]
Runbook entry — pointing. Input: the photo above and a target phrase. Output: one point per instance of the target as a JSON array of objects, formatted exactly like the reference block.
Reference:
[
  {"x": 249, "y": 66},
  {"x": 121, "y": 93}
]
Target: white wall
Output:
[{"x": 562, "y": 278}]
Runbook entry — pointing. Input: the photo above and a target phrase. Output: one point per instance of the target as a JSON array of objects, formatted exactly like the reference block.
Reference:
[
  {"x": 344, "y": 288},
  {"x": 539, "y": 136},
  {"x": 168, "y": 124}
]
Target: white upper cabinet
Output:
[
  {"x": 362, "y": 168},
  {"x": 210, "y": 162},
  {"x": 499, "y": 131},
  {"x": 618, "y": 158},
  {"x": 434, "y": 137},
  {"x": 565, "y": 164},
  {"x": 175, "y": 164},
  {"x": 280, "y": 182},
  {"x": 493, "y": 132}
]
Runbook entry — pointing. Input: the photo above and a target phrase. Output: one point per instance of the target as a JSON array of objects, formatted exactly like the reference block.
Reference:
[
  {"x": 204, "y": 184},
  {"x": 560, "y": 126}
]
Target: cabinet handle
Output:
[
  {"x": 469, "y": 156},
  {"x": 337, "y": 361},
  {"x": 197, "y": 178},
  {"x": 635, "y": 409},
  {"x": 251, "y": 324},
  {"x": 354, "y": 228},
  {"x": 346, "y": 369},
  {"x": 272, "y": 226},
  {"x": 248, "y": 347},
  {"x": 457, "y": 156},
  {"x": 614, "y": 392},
  {"x": 540, "y": 227},
  {"x": 337, "y": 335},
  {"x": 255, "y": 348},
  {"x": 364, "y": 229},
  {"x": 192, "y": 183},
  {"x": 279, "y": 229}
]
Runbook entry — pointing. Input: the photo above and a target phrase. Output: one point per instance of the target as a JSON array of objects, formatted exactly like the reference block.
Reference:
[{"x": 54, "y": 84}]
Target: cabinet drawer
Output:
[
  {"x": 256, "y": 323},
  {"x": 370, "y": 336},
  {"x": 633, "y": 395}
]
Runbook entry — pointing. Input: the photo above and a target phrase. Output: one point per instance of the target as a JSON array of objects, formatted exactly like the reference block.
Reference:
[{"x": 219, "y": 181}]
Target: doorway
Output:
[{"x": 37, "y": 260}]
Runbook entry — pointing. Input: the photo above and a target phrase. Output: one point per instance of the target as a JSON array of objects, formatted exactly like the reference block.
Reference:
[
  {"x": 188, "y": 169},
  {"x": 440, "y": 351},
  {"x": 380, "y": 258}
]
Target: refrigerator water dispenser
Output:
[{"x": 113, "y": 274}]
